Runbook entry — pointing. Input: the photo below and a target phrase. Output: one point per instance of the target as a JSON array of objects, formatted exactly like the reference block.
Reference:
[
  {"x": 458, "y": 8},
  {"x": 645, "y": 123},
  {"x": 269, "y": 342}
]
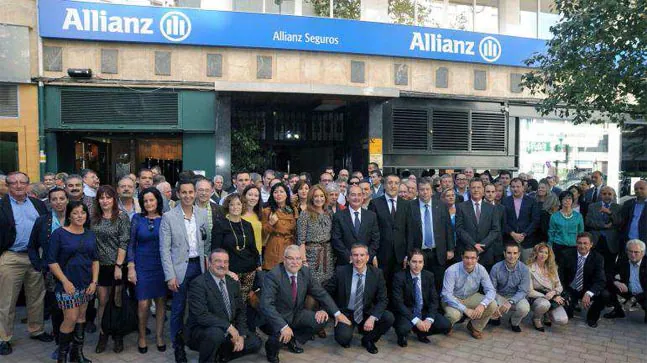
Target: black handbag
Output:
[{"x": 120, "y": 316}]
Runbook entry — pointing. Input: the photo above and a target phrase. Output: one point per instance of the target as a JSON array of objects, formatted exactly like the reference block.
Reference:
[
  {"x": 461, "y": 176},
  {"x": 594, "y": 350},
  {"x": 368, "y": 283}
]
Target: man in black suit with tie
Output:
[
  {"x": 391, "y": 213},
  {"x": 360, "y": 292},
  {"x": 429, "y": 228},
  {"x": 634, "y": 213},
  {"x": 355, "y": 225},
  {"x": 282, "y": 303},
  {"x": 415, "y": 302},
  {"x": 476, "y": 225},
  {"x": 632, "y": 284},
  {"x": 521, "y": 219},
  {"x": 592, "y": 195},
  {"x": 582, "y": 275},
  {"x": 216, "y": 326}
]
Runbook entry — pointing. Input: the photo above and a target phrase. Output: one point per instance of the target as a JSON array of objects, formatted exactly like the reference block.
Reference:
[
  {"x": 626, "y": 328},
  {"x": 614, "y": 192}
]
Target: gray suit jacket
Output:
[
  {"x": 486, "y": 231},
  {"x": 174, "y": 242},
  {"x": 595, "y": 223}
]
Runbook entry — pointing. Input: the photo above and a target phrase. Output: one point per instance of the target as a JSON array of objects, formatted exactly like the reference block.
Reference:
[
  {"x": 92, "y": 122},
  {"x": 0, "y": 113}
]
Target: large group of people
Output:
[{"x": 280, "y": 254}]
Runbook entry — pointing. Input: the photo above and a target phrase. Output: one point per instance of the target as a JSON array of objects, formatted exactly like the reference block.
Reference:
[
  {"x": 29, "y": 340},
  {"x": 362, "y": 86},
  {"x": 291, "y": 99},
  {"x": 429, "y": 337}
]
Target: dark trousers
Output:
[
  {"x": 403, "y": 326},
  {"x": 212, "y": 342},
  {"x": 434, "y": 266},
  {"x": 179, "y": 299},
  {"x": 344, "y": 333},
  {"x": 303, "y": 326},
  {"x": 559, "y": 251},
  {"x": 91, "y": 311},
  {"x": 56, "y": 315},
  {"x": 641, "y": 299},
  {"x": 602, "y": 246},
  {"x": 598, "y": 303}
]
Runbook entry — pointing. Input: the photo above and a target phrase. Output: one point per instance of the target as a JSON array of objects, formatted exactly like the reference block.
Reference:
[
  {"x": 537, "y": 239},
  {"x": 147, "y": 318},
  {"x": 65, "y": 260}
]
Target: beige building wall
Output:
[{"x": 289, "y": 68}]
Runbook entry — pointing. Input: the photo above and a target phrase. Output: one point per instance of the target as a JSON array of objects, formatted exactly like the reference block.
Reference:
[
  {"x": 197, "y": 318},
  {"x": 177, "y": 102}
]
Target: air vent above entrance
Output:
[
  {"x": 450, "y": 130},
  {"x": 410, "y": 129}
]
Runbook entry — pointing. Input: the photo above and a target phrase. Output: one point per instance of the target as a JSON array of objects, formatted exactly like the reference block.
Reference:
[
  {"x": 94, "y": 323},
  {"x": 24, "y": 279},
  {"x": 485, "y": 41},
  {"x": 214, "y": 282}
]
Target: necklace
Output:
[
  {"x": 238, "y": 247},
  {"x": 567, "y": 216}
]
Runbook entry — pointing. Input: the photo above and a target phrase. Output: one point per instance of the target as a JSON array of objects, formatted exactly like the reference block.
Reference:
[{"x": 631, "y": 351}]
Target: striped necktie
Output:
[
  {"x": 358, "y": 304},
  {"x": 579, "y": 275}
]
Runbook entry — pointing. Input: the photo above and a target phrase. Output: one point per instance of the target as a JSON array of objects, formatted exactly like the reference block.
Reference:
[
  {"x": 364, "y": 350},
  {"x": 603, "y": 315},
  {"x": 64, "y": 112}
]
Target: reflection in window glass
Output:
[
  {"x": 250, "y": 6},
  {"x": 279, "y": 7},
  {"x": 547, "y": 18},
  {"x": 460, "y": 15},
  {"x": 8, "y": 152},
  {"x": 486, "y": 16},
  {"x": 572, "y": 150},
  {"x": 434, "y": 13},
  {"x": 528, "y": 18}
]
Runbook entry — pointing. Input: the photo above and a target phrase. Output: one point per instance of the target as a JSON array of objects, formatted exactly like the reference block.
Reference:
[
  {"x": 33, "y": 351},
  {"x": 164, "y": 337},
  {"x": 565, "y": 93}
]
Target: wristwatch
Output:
[{"x": 511, "y": 302}]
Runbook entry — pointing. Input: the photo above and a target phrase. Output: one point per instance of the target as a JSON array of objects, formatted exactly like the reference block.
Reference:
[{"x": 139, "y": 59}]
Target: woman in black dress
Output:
[{"x": 73, "y": 260}]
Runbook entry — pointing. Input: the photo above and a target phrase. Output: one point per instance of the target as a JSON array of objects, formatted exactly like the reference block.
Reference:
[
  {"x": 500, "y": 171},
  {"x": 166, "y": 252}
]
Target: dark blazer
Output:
[
  {"x": 392, "y": 230},
  {"x": 622, "y": 269},
  {"x": 403, "y": 298},
  {"x": 207, "y": 307},
  {"x": 38, "y": 239},
  {"x": 344, "y": 236},
  {"x": 594, "y": 278},
  {"x": 595, "y": 223},
  {"x": 556, "y": 190},
  {"x": 217, "y": 211},
  {"x": 628, "y": 214},
  {"x": 8, "y": 224},
  {"x": 527, "y": 223},
  {"x": 442, "y": 224},
  {"x": 588, "y": 195},
  {"x": 276, "y": 299},
  {"x": 375, "y": 296},
  {"x": 486, "y": 232}
]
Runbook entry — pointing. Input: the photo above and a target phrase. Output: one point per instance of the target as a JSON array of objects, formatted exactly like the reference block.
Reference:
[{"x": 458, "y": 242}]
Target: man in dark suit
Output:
[
  {"x": 360, "y": 292},
  {"x": 634, "y": 213},
  {"x": 592, "y": 195},
  {"x": 355, "y": 225},
  {"x": 632, "y": 284},
  {"x": 391, "y": 213},
  {"x": 216, "y": 326},
  {"x": 521, "y": 219},
  {"x": 582, "y": 275},
  {"x": 477, "y": 225},
  {"x": 415, "y": 302},
  {"x": 429, "y": 228},
  {"x": 282, "y": 303},
  {"x": 377, "y": 187},
  {"x": 18, "y": 214},
  {"x": 603, "y": 221}
]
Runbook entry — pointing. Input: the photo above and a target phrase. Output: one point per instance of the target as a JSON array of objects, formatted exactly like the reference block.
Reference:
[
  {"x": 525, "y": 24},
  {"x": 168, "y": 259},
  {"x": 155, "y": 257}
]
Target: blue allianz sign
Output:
[{"x": 66, "y": 19}]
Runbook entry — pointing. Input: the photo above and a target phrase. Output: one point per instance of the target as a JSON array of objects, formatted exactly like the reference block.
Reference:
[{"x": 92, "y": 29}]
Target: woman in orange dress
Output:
[{"x": 279, "y": 226}]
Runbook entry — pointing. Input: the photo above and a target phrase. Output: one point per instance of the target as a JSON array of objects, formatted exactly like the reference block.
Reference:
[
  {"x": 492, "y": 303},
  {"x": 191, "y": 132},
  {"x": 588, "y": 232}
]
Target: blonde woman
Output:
[
  {"x": 545, "y": 297},
  {"x": 313, "y": 235}
]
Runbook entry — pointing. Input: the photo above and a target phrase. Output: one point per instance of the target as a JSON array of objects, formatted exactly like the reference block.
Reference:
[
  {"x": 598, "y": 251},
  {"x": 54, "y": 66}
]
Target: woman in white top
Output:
[{"x": 545, "y": 288}]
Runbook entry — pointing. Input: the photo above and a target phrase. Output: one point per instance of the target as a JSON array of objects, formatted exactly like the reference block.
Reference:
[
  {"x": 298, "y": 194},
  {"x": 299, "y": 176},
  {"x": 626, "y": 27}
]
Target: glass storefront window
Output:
[
  {"x": 486, "y": 16},
  {"x": 8, "y": 152},
  {"x": 460, "y": 14},
  {"x": 547, "y": 18},
  {"x": 528, "y": 18},
  {"x": 279, "y": 7},
  {"x": 549, "y": 147},
  {"x": 249, "y": 6}
]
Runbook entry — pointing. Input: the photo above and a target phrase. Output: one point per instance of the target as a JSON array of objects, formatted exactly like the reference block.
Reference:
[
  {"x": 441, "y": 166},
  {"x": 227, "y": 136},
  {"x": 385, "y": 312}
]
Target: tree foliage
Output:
[
  {"x": 247, "y": 152},
  {"x": 345, "y": 9},
  {"x": 595, "y": 66},
  {"x": 402, "y": 12}
]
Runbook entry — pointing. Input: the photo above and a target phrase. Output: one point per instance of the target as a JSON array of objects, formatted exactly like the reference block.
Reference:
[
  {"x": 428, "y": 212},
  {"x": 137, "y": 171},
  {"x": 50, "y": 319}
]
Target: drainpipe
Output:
[{"x": 42, "y": 143}]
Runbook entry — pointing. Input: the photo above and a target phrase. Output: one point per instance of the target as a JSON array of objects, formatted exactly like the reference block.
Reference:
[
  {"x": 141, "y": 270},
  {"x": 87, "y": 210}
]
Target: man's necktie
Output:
[
  {"x": 294, "y": 289},
  {"x": 607, "y": 218},
  {"x": 429, "y": 238},
  {"x": 595, "y": 194},
  {"x": 393, "y": 208},
  {"x": 417, "y": 295},
  {"x": 358, "y": 304},
  {"x": 356, "y": 223},
  {"x": 478, "y": 212},
  {"x": 579, "y": 274},
  {"x": 225, "y": 297}
]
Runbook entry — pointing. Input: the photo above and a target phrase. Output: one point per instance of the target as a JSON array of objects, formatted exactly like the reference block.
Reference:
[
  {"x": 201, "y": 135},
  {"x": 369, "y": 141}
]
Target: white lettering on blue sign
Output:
[
  {"x": 490, "y": 49},
  {"x": 99, "y": 21},
  {"x": 430, "y": 42},
  {"x": 175, "y": 26}
]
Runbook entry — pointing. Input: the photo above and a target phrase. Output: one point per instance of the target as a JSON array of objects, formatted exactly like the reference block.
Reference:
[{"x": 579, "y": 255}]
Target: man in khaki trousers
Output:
[{"x": 17, "y": 216}]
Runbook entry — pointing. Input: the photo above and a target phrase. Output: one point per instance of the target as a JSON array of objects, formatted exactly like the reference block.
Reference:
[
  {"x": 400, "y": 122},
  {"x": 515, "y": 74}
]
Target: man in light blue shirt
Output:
[
  {"x": 511, "y": 280},
  {"x": 461, "y": 293},
  {"x": 632, "y": 281}
]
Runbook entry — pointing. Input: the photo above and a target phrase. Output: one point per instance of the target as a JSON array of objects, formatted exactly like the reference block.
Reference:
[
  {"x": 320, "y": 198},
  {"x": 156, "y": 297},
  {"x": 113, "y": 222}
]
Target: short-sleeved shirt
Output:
[{"x": 75, "y": 254}]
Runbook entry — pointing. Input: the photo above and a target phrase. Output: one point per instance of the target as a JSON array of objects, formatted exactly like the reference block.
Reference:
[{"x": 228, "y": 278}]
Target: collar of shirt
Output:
[
  {"x": 55, "y": 219},
  {"x": 637, "y": 264},
  {"x": 290, "y": 274},
  {"x": 217, "y": 279},
  {"x": 192, "y": 214},
  {"x": 413, "y": 276},
  {"x": 388, "y": 199},
  {"x": 363, "y": 273},
  {"x": 352, "y": 211},
  {"x": 474, "y": 202},
  {"x": 469, "y": 273},
  {"x": 585, "y": 256},
  {"x": 516, "y": 266},
  {"x": 14, "y": 201},
  {"x": 423, "y": 204}
]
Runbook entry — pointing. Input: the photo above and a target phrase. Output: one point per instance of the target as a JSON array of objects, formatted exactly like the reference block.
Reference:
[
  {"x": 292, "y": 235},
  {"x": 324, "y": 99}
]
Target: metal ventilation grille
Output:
[
  {"x": 410, "y": 129},
  {"x": 488, "y": 131},
  {"x": 105, "y": 107},
  {"x": 450, "y": 130},
  {"x": 8, "y": 100}
]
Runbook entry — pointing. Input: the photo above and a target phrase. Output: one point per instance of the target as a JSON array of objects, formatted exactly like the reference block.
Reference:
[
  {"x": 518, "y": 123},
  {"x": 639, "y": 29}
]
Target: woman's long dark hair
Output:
[
  {"x": 272, "y": 203},
  {"x": 98, "y": 212},
  {"x": 158, "y": 197}
]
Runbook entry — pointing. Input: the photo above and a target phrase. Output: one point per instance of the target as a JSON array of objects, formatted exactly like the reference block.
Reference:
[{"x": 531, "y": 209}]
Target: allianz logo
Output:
[
  {"x": 489, "y": 48},
  {"x": 174, "y": 25}
]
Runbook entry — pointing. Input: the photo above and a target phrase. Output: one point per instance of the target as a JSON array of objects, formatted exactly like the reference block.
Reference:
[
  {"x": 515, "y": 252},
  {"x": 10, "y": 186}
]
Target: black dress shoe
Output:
[
  {"x": 345, "y": 346},
  {"x": 43, "y": 337},
  {"x": 90, "y": 328},
  {"x": 540, "y": 328},
  {"x": 293, "y": 346},
  {"x": 180, "y": 355},
  {"x": 423, "y": 339},
  {"x": 142, "y": 350},
  {"x": 402, "y": 341},
  {"x": 495, "y": 322},
  {"x": 592, "y": 323},
  {"x": 615, "y": 313},
  {"x": 273, "y": 358},
  {"x": 5, "y": 348},
  {"x": 101, "y": 344},
  {"x": 515, "y": 328},
  {"x": 370, "y": 346},
  {"x": 118, "y": 344}
]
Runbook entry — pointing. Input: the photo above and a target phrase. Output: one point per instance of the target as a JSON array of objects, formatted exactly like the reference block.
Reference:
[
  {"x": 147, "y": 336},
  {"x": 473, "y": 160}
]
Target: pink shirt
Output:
[{"x": 517, "y": 205}]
